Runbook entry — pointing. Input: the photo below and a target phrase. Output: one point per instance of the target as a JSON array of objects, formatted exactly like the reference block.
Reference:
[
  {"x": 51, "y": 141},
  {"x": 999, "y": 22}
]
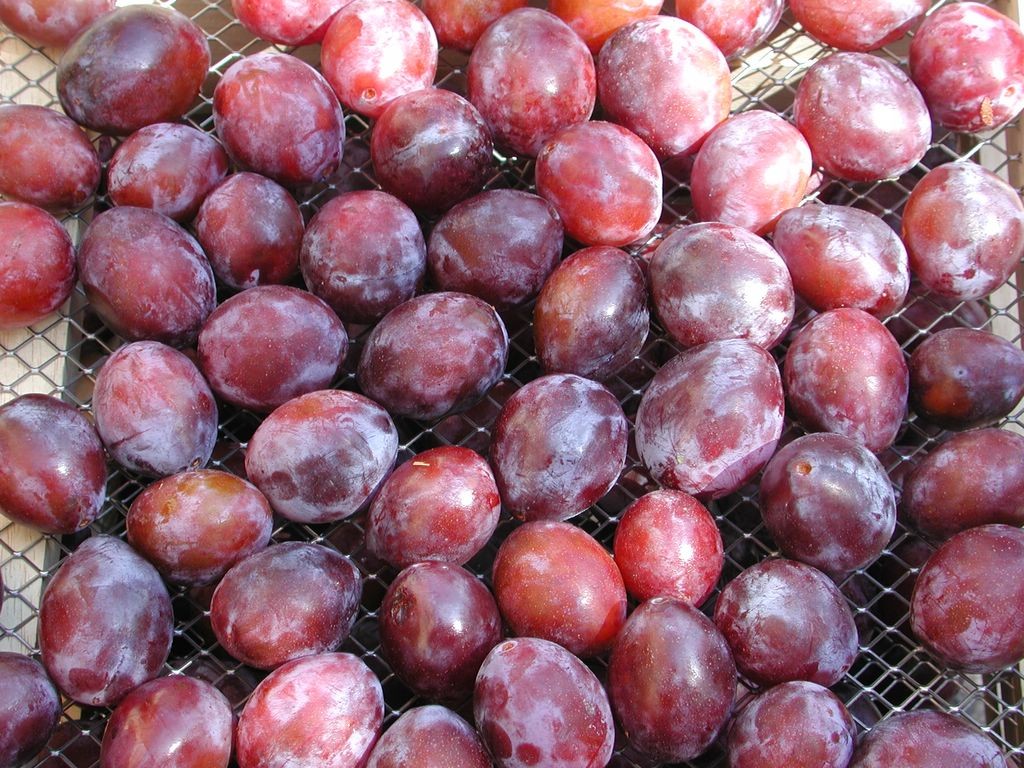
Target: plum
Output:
[
  {"x": 923, "y": 738},
  {"x": 51, "y": 22},
  {"x": 429, "y": 737},
  {"x": 735, "y": 26},
  {"x": 29, "y": 709}
]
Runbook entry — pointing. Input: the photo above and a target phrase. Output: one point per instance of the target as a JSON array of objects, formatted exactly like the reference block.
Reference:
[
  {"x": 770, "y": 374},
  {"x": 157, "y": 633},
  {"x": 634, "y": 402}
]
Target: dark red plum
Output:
[
  {"x": 557, "y": 447},
  {"x": 37, "y": 265},
  {"x": 29, "y": 709},
  {"x": 827, "y": 501},
  {"x": 364, "y": 254},
  {"x": 437, "y": 623},
  {"x": 735, "y": 26},
  {"x": 673, "y": 114},
  {"x": 251, "y": 229},
  {"x": 671, "y": 679},
  {"x": 795, "y": 723},
  {"x": 320, "y": 457},
  {"x": 555, "y": 581},
  {"x": 429, "y": 737},
  {"x": 442, "y": 504},
  {"x": 667, "y": 544},
  {"x": 845, "y": 373},
  {"x": 325, "y": 710},
  {"x": 717, "y": 281},
  {"x": 966, "y": 604},
  {"x": 925, "y": 738},
  {"x": 105, "y": 622},
  {"x": 176, "y": 722},
  {"x": 596, "y": 20},
  {"x": 843, "y": 257},
  {"x": 287, "y": 22},
  {"x": 536, "y": 704},
  {"x": 711, "y": 418},
  {"x": 787, "y": 621},
  {"x": 154, "y": 411},
  {"x": 145, "y": 276},
  {"x": 132, "y": 67},
  {"x": 858, "y": 26},
  {"x": 45, "y": 159},
  {"x": 531, "y": 76},
  {"x": 460, "y": 23},
  {"x": 976, "y": 478},
  {"x": 968, "y": 61},
  {"x": 433, "y": 355},
  {"x": 284, "y": 602},
  {"x": 499, "y": 245},
  {"x": 964, "y": 230},
  {"x": 195, "y": 525},
  {"x": 168, "y": 167},
  {"x": 54, "y": 474},
  {"x": 51, "y": 22},
  {"x": 269, "y": 344},
  {"x": 278, "y": 116}
]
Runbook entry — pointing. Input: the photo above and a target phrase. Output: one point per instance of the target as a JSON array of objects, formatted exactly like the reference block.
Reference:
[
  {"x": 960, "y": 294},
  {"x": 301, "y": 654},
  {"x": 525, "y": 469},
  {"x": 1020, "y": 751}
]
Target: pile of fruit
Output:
[{"x": 479, "y": 467}]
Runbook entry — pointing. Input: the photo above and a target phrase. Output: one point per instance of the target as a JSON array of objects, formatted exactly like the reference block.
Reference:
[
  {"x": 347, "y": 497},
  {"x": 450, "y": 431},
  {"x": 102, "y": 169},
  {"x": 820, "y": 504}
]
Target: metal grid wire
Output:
[{"x": 892, "y": 673}]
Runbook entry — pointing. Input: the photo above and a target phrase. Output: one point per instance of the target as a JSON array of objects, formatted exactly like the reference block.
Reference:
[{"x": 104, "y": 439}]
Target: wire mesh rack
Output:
[{"x": 62, "y": 355}]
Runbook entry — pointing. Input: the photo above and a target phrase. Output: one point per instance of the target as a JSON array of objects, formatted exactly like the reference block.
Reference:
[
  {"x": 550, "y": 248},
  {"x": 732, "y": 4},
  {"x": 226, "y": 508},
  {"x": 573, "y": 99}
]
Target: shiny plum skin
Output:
[
  {"x": 976, "y": 478},
  {"x": 286, "y": 601},
  {"x": 431, "y": 149},
  {"x": 858, "y": 26},
  {"x": 132, "y": 67},
  {"x": 145, "y": 276},
  {"x": 278, "y": 116},
  {"x": 786, "y": 621},
  {"x": 286, "y": 22},
  {"x": 672, "y": 114},
  {"x": 154, "y": 411},
  {"x": 320, "y": 456},
  {"x": 377, "y": 50},
  {"x": 364, "y": 254},
  {"x": 29, "y": 709},
  {"x": 716, "y": 281},
  {"x": 168, "y": 167},
  {"x": 961, "y": 378},
  {"x": 596, "y": 20},
  {"x": 711, "y": 418},
  {"x": 557, "y": 447},
  {"x": 925, "y": 738},
  {"x": 176, "y": 722},
  {"x": 429, "y": 737},
  {"x": 437, "y": 623},
  {"x": 591, "y": 317},
  {"x": 668, "y": 545},
  {"x": 968, "y": 61},
  {"x": 735, "y": 26},
  {"x": 862, "y": 116},
  {"x": 37, "y": 265},
  {"x": 54, "y": 474},
  {"x": 671, "y": 680},
  {"x": 194, "y": 526},
  {"x": 964, "y": 230},
  {"x": 442, "y": 504},
  {"x": 845, "y": 373},
  {"x": 843, "y": 257},
  {"x": 460, "y": 23},
  {"x": 965, "y": 609},
  {"x": 605, "y": 183},
  {"x": 499, "y": 245},
  {"x": 749, "y": 170},
  {"x": 251, "y": 230},
  {"x": 531, "y": 76},
  {"x": 45, "y": 159},
  {"x": 105, "y": 622},
  {"x": 51, "y": 22},
  {"x": 268, "y": 344},
  {"x": 465, "y": 357},
  {"x": 555, "y": 581},
  {"x": 795, "y": 723},
  {"x": 827, "y": 501},
  {"x": 325, "y": 710},
  {"x": 536, "y": 704}
]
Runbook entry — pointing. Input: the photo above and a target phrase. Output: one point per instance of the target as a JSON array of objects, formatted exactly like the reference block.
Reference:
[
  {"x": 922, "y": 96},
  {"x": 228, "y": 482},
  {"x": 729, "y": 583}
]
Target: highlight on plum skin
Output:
[
  {"x": 29, "y": 707},
  {"x": 460, "y": 23},
  {"x": 437, "y": 624},
  {"x": 859, "y": 28},
  {"x": 923, "y": 738},
  {"x": 53, "y": 23},
  {"x": 429, "y": 735},
  {"x": 735, "y": 26}
]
